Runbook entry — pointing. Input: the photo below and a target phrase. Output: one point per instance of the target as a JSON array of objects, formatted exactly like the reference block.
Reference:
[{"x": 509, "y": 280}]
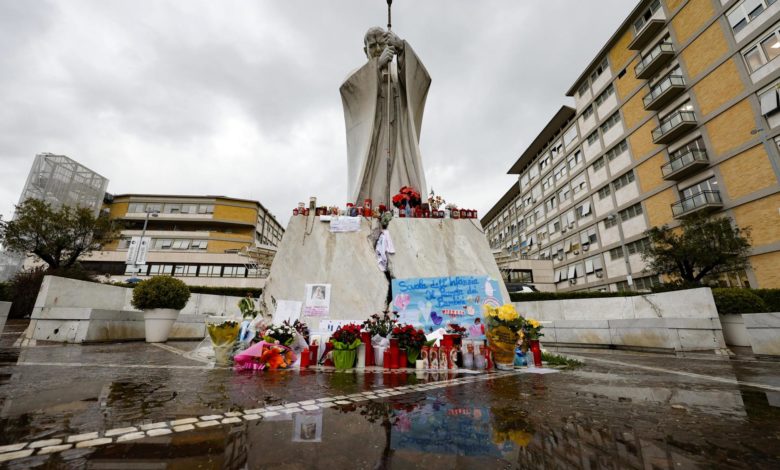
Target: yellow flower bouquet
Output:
[{"x": 505, "y": 325}]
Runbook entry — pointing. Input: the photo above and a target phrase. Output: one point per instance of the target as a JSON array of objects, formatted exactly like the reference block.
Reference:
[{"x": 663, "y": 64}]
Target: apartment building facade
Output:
[
  {"x": 677, "y": 114},
  {"x": 204, "y": 240}
]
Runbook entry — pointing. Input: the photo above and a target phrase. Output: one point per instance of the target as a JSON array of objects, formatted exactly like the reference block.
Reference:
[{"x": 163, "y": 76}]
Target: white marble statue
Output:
[{"x": 374, "y": 172}]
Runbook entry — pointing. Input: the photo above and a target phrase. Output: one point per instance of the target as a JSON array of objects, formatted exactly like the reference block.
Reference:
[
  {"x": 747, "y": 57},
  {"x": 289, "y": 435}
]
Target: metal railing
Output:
[
  {"x": 662, "y": 86},
  {"x": 672, "y": 121},
  {"x": 702, "y": 199},
  {"x": 681, "y": 161},
  {"x": 652, "y": 55}
]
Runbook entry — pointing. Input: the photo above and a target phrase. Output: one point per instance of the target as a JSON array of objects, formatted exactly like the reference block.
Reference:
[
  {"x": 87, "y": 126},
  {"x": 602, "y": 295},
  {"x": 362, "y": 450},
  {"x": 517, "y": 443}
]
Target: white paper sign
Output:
[
  {"x": 287, "y": 310},
  {"x": 317, "y": 300},
  {"x": 345, "y": 224}
]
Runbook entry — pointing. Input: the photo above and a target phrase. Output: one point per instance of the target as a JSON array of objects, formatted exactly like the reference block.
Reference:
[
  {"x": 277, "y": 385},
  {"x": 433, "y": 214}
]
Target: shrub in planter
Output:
[
  {"x": 735, "y": 300},
  {"x": 771, "y": 297},
  {"x": 160, "y": 292}
]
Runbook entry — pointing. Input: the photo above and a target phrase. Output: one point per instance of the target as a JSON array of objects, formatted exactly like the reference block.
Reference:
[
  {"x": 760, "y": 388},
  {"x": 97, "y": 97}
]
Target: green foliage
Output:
[
  {"x": 558, "y": 360},
  {"x": 771, "y": 298},
  {"x": 24, "y": 286},
  {"x": 533, "y": 296},
  {"x": 736, "y": 300},
  {"x": 229, "y": 291},
  {"x": 56, "y": 236},
  {"x": 160, "y": 292},
  {"x": 701, "y": 247},
  {"x": 6, "y": 294}
]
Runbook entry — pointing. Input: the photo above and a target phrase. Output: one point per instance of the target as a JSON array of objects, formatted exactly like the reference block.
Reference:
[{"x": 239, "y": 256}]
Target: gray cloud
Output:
[{"x": 241, "y": 98}]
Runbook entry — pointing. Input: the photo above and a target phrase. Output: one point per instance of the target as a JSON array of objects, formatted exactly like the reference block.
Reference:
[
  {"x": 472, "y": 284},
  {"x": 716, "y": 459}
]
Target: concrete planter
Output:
[
  {"x": 763, "y": 329},
  {"x": 158, "y": 323},
  {"x": 734, "y": 331}
]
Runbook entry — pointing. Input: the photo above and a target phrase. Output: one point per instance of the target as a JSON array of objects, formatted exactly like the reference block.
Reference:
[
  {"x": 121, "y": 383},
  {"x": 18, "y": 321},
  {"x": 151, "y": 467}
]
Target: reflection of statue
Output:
[{"x": 373, "y": 171}]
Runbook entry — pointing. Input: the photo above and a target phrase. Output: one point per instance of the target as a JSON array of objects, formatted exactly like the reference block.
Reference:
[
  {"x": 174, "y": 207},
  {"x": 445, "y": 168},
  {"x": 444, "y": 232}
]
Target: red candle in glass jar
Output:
[
  {"x": 454, "y": 213},
  {"x": 462, "y": 213},
  {"x": 367, "y": 208}
]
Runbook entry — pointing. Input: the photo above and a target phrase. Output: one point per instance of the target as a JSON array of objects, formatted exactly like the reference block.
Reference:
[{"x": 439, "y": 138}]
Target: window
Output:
[
  {"x": 610, "y": 222},
  {"x": 234, "y": 271},
  {"x": 163, "y": 244},
  {"x": 642, "y": 20},
  {"x": 616, "y": 253},
  {"x": 210, "y": 271},
  {"x": 588, "y": 236},
  {"x": 638, "y": 246},
  {"x": 604, "y": 192},
  {"x": 172, "y": 208},
  {"x": 706, "y": 185},
  {"x": 631, "y": 211},
  {"x": 574, "y": 159},
  {"x": 550, "y": 204},
  {"x": 185, "y": 270},
  {"x": 583, "y": 88},
  {"x": 533, "y": 172},
  {"x": 583, "y": 210},
  {"x": 189, "y": 208},
  {"x": 561, "y": 275},
  {"x": 206, "y": 209},
  {"x": 587, "y": 112},
  {"x": 545, "y": 162},
  {"x": 124, "y": 243},
  {"x": 556, "y": 149},
  {"x": 623, "y": 180},
  {"x": 524, "y": 180},
  {"x": 601, "y": 68},
  {"x": 570, "y": 136},
  {"x": 745, "y": 12},
  {"x": 763, "y": 51},
  {"x": 578, "y": 183},
  {"x": 160, "y": 269},
  {"x": 548, "y": 182},
  {"x": 153, "y": 207},
  {"x": 646, "y": 283},
  {"x": 610, "y": 122},
  {"x": 593, "y": 265},
  {"x": 560, "y": 172},
  {"x": 770, "y": 102},
  {"x": 136, "y": 208},
  {"x": 554, "y": 226},
  {"x": 598, "y": 164},
  {"x": 564, "y": 193},
  {"x": 181, "y": 244},
  {"x": 609, "y": 91},
  {"x": 617, "y": 150}
]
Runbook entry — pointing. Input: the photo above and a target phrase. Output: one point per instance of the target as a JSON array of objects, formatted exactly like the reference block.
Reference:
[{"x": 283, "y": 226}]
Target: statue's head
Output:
[{"x": 374, "y": 42}]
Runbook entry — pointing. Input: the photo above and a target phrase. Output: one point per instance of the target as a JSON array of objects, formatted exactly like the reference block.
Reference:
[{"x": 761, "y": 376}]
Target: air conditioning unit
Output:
[
  {"x": 571, "y": 224},
  {"x": 576, "y": 252},
  {"x": 585, "y": 247},
  {"x": 599, "y": 274},
  {"x": 560, "y": 257},
  {"x": 573, "y": 281},
  {"x": 564, "y": 229}
]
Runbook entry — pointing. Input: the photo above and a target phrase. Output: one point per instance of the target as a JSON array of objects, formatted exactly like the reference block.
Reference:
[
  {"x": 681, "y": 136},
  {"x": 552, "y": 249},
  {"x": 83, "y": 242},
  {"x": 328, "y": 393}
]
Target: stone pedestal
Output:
[{"x": 311, "y": 254}]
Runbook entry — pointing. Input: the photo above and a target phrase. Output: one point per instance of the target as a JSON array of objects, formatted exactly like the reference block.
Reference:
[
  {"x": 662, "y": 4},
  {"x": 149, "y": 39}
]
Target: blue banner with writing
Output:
[{"x": 431, "y": 303}]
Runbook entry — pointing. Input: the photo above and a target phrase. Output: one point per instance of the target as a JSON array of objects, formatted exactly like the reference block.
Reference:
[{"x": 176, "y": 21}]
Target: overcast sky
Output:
[{"x": 240, "y": 98}]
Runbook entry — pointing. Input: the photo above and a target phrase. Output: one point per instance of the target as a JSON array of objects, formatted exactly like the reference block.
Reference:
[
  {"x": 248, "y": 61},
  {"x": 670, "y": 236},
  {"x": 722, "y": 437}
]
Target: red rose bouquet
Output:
[
  {"x": 346, "y": 337},
  {"x": 409, "y": 337},
  {"x": 407, "y": 196}
]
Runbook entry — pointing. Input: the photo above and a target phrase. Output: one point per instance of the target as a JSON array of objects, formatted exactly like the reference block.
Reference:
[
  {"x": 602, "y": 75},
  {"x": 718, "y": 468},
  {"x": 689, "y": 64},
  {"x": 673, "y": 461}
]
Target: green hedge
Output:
[
  {"x": 736, "y": 300},
  {"x": 534, "y": 296},
  {"x": 229, "y": 291},
  {"x": 6, "y": 293},
  {"x": 771, "y": 298}
]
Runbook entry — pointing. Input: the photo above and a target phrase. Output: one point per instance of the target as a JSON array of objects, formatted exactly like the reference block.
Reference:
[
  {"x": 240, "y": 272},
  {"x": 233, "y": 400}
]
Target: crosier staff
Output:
[{"x": 389, "y": 90}]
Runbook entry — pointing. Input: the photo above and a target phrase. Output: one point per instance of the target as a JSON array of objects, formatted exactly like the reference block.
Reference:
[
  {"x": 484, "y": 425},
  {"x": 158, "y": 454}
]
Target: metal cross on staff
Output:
[{"x": 389, "y": 91}]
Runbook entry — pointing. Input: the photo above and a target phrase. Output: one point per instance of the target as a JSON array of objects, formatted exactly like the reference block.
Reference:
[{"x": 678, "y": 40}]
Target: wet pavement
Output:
[{"x": 133, "y": 405}]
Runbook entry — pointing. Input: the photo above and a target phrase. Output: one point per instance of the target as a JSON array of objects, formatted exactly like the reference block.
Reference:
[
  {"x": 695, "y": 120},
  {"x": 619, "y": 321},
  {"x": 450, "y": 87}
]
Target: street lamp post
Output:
[
  {"x": 137, "y": 269},
  {"x": 629, "y": 279}
]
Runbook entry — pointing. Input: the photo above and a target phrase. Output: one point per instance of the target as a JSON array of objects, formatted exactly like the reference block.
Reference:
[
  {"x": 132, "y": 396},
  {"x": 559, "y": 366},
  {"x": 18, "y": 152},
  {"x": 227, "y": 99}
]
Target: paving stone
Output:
[
  {"x": 117, "y": 431},
  {"x": 231, "y": 420},
  {"x": 44, "y": 443},
  {"x": 179, "y": 422},
  {"x": 15, "y": 455},
  {"x": 328, "y": 404},
  {"x": 206, "y": 424},
  {"x": 307, "y": 402},
  {"x": 211, "y": 417},
  {"x": 254, "y": 411},
  {"x": 274, "y": 408},
  {"x": 251, "y": 417},
  {"x": 12, "y": 447},
  {"x": 233, "y": 414},
  {"x": 270, "y": 414},
  {"x": 291, "y": 405},
  {"x": 326, "y": 399},
  {"x": 53, "y": 449},
  {"x": 147, "y": 427},
  {"x": 372, "y": 397},
  {"x": 83, "y": 437},
  {"x": 310, "y": 407},
  {"x": 343, "y": 402},
  {"x": 131, "y": 436},
  {"x": 183, "y": 427},
  {"x": 94, "y": 442},
  {"x": 290, "y": 411},
  {"x": 158, "y": 432},
  {"x": 340, "y": 397},
  {"x": 358, "y": 399}
]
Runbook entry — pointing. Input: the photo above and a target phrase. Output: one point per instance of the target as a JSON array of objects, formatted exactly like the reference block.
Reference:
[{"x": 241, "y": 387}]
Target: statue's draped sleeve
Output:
[{"x": 359, "y": 95}]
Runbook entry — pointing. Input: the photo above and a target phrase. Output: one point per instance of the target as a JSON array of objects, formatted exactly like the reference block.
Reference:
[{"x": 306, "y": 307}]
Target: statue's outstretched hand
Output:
[{"x": 386, "y": 56}]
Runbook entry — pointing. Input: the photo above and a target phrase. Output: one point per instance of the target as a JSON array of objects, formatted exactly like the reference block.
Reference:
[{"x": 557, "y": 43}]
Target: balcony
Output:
[
  {"x": 705, "y": 201},
  {"x": 664, "y": 92},
  {"x": 674, "y": 126},
  {"x": 680, "y": 167},
  {"x": 659, "y": 56},
  {"x": 646, "y": 34}
]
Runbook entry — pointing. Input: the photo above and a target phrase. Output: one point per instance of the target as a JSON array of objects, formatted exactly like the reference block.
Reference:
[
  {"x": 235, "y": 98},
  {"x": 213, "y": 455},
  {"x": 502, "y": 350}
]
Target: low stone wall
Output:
[
  {"x": 764, "y": 332},
  {"x": 5, "y": 307},
  {"x": 734, "y": 331},
  {"x": 679, "y": 321},
  {"x": 72, "y": 311}
]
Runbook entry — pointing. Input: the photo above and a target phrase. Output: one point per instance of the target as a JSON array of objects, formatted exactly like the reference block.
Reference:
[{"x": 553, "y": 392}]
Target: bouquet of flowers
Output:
[
  {"x": 302, "y": 329},
  {"x": 435, "y": 201},
  {"x": 282, "y": 334},
  {"x": 505, "y": 326},
  {"x": 532, "y": 329},
  {"x": 264, "y": 355},
  {"x": 223, "y": 337},
  {"x": 407, "y": 197},
  {"x": 505, "y": 315},
  {"x": 409, "y": 337},
  {"x": 380, "y": 325},
  {"x": 346, "y": 337},
  {"x": 455, "y": 329}
]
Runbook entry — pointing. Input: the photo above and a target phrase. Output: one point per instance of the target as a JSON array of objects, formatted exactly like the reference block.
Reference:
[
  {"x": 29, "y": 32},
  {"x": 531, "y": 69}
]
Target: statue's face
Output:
[{"x": 374, "y": 45}]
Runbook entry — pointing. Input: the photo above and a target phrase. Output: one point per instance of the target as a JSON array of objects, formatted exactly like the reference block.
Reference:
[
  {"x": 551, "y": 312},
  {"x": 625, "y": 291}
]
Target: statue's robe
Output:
[{"x": 372, "y": 173}]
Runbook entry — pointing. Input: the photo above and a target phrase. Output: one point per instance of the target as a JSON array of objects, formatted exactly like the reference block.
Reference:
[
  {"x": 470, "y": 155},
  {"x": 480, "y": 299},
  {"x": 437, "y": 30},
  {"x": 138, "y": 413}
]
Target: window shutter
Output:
[
  {"x": 572, "y": 272},
  {"x": 589, "y": 266}
]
